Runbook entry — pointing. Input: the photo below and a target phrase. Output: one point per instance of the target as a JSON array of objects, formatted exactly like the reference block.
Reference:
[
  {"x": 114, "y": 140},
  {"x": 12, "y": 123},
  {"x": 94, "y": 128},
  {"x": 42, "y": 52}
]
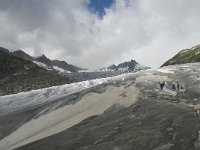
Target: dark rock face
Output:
[
  {"x": 4, "y": 50},
  {"x": 10, "y": 64},
  {"x": 18, "y": 75},
  {"x": 43, "y": 59},
  {"x": 130, "y": 64},
  {"x": 185, "y": 56}
]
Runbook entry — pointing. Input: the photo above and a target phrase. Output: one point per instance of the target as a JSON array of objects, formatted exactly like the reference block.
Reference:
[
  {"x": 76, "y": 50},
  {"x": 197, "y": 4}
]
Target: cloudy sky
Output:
[{"x": 96, "y": 33}]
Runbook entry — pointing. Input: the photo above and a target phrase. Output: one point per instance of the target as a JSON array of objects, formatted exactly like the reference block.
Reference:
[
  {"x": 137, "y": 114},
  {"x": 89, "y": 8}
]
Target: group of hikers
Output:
[
  {"x": 178, "y": 86},
  {"x": 175, "y": 85},
  {"x": 196, "y": 104}
]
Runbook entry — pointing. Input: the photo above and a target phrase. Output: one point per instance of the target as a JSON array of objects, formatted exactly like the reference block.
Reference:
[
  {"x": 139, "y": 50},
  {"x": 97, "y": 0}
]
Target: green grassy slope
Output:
[{"x": 185, "y": 56}]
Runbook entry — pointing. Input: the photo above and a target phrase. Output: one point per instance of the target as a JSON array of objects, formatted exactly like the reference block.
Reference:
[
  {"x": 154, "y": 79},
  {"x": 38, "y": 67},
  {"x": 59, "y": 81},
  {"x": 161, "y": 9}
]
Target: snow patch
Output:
[
  {"x": 58, "y": 69},
  {"x": 42, "y": 65},
  {"x": 26, "y": 67}
]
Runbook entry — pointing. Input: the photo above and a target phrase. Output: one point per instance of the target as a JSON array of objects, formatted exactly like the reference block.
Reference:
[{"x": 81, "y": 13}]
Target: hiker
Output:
[
  {"x": 195, "y": 102},
  {"x": 178, "y": 86},
  {"x": 161, "y": 85},
  {"x": 197, "y": 113},
  {"x": 173, "y": 86}
]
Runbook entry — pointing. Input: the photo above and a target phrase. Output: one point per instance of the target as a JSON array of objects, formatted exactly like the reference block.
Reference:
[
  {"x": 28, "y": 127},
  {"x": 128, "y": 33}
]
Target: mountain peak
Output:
[
  {"x": 127, "y": 66},
  {"x": 43, "y": 56},
  {"x": 44, "y": 59},
  {"x": 132, "y": 60},
  {"x": 22, "y": 54}
]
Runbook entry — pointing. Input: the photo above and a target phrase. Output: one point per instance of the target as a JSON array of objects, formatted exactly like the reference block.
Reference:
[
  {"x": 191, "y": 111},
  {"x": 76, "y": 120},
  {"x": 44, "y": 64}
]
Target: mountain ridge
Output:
[
  {"x": 190, "y": 55},
  {"x": 44, "y": 59},
  {"x": 19, "y": 75},
  {"x": 127, "y": 66}
]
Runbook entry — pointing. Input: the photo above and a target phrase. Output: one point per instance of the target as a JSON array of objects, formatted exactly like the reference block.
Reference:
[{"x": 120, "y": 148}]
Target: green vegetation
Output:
[{"x": 185, "y": 56}]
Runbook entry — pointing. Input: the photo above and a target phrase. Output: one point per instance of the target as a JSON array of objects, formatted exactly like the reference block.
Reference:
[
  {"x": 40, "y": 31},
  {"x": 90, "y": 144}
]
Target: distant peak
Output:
[
  {"x": 43, "y": 56},
  {"x": 132, "y": 60},
  {"x": 19, "y": 51},
  {"x": 44, "y": 59}
]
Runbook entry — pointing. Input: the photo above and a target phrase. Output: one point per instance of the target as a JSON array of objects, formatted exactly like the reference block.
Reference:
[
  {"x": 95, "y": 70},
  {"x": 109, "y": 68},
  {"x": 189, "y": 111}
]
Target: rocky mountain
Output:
[
  {"x": 19, "y": 75},
  {"x": 48, "y": 63},
  {"x": 156, "y": 109},
  {"x": 185, "y": 56},
  {"x": 43, "y": 59},
  {"x": 129, "y": 66},
  {"x": 21, "y": 72},
  {"x": 22, "y": 54}
]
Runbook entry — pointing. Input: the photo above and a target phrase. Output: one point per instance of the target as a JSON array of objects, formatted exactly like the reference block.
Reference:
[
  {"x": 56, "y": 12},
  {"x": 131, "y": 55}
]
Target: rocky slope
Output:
[
  {"x": 185, "y": 56},
  {"x": 19, "y": 75},
  {"x": 148, "y": 110},
  {"x": 48, "y": 62}
]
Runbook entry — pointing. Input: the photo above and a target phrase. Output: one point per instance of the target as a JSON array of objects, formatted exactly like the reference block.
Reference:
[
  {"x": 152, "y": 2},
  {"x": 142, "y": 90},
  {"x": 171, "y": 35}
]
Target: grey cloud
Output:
[{"x": 149, "y": 31}]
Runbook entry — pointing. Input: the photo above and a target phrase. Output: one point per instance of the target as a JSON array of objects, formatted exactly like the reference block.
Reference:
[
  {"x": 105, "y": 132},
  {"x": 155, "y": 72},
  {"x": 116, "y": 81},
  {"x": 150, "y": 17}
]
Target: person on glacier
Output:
[
  {"x": 197, "y": 113},
  {"x": 162, "y": 84}
]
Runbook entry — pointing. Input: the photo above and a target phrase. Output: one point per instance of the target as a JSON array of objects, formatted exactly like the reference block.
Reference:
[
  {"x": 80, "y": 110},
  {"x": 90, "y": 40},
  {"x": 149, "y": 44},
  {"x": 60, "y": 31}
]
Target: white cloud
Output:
[{"x": 149, "y": 31}]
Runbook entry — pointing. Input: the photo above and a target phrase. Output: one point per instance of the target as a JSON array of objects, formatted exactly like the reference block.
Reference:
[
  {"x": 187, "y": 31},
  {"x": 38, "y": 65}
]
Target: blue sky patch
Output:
[{"x": 98, "y": 6}]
